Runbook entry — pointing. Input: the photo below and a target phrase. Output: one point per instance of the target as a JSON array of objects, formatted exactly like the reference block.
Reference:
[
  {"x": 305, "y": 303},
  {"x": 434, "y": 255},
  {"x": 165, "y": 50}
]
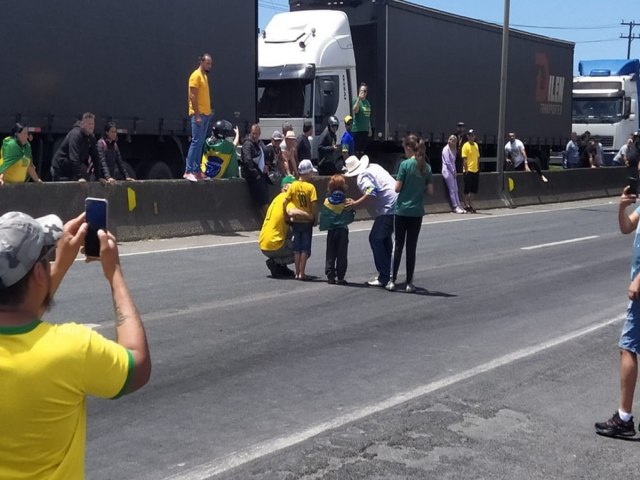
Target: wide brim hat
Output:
[{"x": 354, "y": 166}]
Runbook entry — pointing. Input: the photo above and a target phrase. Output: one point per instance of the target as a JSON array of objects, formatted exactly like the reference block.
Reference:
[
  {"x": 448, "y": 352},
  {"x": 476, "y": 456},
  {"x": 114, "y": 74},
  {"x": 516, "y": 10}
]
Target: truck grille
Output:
[{"x": 606, "y": 140}]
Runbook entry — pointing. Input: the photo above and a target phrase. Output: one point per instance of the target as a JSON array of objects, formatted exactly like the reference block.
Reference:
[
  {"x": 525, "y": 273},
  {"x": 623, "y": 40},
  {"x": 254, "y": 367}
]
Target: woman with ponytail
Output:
[{"x": 414, "y": 176}]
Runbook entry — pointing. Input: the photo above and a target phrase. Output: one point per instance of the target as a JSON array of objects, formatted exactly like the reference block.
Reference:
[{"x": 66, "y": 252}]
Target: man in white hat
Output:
[
  {"x": 378, "y": 188},
  {"x": 47, "y": 370}
]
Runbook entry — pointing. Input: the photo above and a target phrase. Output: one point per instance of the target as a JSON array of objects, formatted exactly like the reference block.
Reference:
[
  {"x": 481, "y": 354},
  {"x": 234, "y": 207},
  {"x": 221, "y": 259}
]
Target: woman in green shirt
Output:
[
  {"x": 414, "y": 175},
  {"x": 17, "y": 160}
]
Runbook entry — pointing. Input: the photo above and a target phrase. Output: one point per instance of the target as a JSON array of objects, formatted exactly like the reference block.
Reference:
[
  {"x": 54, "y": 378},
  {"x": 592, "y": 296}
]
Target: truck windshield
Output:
[
  {"x": 594, "y": 110},
  {"x": 285, "y": 98}
]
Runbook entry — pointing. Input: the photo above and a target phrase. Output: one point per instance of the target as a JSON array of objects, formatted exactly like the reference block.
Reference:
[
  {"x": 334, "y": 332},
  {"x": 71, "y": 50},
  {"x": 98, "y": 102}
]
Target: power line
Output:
[
  {"x": 595, "y": 27},
  {"x": 631, "y": 36}
]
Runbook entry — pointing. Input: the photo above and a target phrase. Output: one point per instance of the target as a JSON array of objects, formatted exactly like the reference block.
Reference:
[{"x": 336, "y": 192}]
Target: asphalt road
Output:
[{"x": 497, "y": 368}]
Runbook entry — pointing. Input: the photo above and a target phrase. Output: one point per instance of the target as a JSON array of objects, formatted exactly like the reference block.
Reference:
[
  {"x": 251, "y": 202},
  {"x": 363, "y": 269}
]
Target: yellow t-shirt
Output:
[
  {"x": 46, "y": 371},
  {"x": 200, "y": 81},
  {"x": 302, "y": 194},
  {"x": 274, "y": 229},
  {"x": 17, "y": 173},
  {"x": 472, "y": 154}
]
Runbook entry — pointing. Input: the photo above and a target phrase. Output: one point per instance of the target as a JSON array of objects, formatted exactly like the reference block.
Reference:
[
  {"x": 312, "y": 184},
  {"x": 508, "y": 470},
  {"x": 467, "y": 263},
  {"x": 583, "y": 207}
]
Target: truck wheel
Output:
[
  {"x": 128, "y": 168},
  {"x": 158, "y": 171}
]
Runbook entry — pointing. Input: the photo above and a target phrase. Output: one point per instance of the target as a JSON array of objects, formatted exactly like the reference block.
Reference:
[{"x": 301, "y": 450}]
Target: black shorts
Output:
[{"x": 471, "y": 181}]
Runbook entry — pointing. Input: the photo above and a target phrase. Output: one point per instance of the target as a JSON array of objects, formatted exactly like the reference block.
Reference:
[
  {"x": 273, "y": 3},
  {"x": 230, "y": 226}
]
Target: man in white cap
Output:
[
  {"x": 47, "y": 370},
  {"x": 378, "y": 188}
]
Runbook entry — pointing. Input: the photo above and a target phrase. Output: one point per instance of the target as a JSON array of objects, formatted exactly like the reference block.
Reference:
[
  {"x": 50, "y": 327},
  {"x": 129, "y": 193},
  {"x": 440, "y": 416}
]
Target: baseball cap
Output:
[
  {"x": 348, "y": 119},
  {"x": 22, "y": 239},
  {"x": 277, "y": 135},
  {"x": 461, "y": 124},
  {"x": 471, "y": 131},
  {"x": 306, "y": 167},
  {"x": 287, "y": 180}
]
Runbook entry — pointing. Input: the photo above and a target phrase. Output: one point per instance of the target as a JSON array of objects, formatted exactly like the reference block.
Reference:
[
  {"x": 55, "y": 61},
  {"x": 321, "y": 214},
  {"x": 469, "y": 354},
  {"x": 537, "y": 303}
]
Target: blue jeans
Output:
[
  {"x": 198, "y": 136},
  {"x": 630, "y": 336},
  {"x": 380, "y": 239}
]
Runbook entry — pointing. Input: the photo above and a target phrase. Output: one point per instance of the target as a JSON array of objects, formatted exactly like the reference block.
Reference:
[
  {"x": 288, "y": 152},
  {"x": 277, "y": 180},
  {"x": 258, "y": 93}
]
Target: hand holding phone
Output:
[{"x": 96, "y": 217}]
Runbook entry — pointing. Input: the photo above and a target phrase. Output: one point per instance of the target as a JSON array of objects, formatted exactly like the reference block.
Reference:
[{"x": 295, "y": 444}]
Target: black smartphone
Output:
[
  {"x": 96, "y": 216},
  {"x": 633, "y": 185}
]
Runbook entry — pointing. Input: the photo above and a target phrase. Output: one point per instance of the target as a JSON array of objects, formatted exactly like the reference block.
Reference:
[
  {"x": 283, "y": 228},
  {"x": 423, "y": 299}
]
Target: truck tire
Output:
[
  {"x": 158, "y": 171},
  {"x": 128, "y": 168}
]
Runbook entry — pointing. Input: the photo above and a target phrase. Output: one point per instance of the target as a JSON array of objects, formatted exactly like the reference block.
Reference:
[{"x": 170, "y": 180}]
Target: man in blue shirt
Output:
[
  {"x": 347, "y": 142},
  {"x": 572, "y": 152}
]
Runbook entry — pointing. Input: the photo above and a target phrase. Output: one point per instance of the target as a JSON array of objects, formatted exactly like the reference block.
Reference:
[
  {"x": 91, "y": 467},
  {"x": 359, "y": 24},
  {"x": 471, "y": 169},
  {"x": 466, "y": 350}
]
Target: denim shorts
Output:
[
  {"x": 630, "y": 337},
  {"x": 302, "y": 234}
]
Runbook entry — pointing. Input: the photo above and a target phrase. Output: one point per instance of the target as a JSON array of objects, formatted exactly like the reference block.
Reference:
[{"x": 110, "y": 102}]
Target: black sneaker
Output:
[
  {"x": 286, "y": 271},
  {"x": 342, "y": 281},
  {"x": 273, "y": 268},
  {"x": 331, "y": 281},
  {"x": 615, "y": 427}
]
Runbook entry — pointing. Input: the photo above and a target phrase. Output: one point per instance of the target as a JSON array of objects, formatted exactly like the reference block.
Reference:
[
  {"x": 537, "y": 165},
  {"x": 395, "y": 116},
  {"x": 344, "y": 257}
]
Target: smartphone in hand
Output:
[
  {"x": 633, "y": 185},
  {"x": 96, "y": 216}
]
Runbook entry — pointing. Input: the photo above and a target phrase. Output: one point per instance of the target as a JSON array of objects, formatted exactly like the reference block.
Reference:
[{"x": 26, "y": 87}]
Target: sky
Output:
[{"x": 593, "y": 25}]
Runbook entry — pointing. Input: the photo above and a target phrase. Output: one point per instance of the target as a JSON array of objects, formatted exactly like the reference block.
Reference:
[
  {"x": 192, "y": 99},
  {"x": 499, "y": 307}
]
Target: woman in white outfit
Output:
[{"x": 449, "y": 173}]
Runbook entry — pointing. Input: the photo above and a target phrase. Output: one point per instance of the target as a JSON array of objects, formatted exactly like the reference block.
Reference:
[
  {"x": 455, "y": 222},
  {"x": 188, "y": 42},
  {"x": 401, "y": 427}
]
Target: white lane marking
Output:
[
  {"x": 561, "y": 242},
  {"x": 236, "y": 459},
  {"x": 458, "y": 218}
]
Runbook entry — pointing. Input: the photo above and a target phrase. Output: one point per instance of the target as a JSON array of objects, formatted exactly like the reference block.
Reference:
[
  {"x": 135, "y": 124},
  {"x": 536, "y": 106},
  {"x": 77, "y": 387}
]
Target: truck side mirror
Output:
[{"x": 627, "y": 107}]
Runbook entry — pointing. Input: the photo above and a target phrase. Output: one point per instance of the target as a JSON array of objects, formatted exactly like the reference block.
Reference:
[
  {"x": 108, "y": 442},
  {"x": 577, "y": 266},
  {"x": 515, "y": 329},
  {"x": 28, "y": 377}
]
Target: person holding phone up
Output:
[
  {"x": 47, "y": 370},
  {"x": 621, "y": 423}
]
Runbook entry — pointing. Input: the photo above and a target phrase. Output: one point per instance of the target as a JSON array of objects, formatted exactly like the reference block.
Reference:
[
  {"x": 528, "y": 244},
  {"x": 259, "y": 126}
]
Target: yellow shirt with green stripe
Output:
[{"x": 46, "y": 372}]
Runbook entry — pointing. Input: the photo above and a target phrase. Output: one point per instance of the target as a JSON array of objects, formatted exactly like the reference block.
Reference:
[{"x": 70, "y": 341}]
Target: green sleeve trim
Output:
[{"x": 130, "y": 372}]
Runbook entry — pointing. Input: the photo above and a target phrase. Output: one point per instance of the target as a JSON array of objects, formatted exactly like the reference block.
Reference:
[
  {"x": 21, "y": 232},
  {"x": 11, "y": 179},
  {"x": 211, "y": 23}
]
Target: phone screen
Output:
[
  {"x": 633, "y": 185},
  {"x": 96, "y": 211}
]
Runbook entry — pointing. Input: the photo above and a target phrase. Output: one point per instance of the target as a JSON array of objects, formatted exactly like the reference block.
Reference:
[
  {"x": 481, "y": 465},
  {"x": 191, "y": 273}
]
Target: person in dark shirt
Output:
[
  {"x": 77, "y": 155},
  {"x": 110, "y": 165},
  {"x": 304, "y": 144}
]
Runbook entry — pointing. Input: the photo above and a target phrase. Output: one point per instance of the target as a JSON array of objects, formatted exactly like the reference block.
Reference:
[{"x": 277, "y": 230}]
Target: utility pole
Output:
[{"x": 631, "y": 35}]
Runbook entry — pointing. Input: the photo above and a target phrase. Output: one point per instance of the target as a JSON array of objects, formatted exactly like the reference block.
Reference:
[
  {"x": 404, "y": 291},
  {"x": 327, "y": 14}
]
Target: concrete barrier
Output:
[{"x": 175, "y": 208}]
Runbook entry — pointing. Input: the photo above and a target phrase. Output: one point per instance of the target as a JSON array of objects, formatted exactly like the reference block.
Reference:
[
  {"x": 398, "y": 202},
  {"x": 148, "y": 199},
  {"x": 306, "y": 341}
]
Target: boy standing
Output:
[
  {"x": 470, "y": 169},
  {"x": 302, "y": 194},
  {"x": 335, "y": 218}
]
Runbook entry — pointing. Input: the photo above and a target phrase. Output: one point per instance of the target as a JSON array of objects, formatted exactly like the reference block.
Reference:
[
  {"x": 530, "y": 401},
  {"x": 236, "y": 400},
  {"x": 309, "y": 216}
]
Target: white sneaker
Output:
[
  {"x": 391, "y": 286},
  {"x": 459, "y": 210},
  {"x": 375, "y": 283},
  {"x": 191, "y": 177},
  {"x": 410, "y": 288}
]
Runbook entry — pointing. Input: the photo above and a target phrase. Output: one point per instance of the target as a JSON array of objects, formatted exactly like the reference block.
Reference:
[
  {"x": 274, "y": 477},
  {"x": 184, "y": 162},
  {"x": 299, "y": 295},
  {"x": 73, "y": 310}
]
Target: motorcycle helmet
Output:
[
  {"x": 222, "y": 129},
  {"x": 333, "y": 121}
]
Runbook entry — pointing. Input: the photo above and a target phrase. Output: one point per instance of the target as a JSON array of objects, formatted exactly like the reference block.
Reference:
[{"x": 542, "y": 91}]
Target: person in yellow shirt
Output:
[
  {"x": 16, "y": 161},
  {"x": 470, "y": 169},
  {"x": 47, "y": 370},
  {"x": 200, "y": 114},
  {"x": 302, "y": 194},
  {"x": 275, "y": 235}
]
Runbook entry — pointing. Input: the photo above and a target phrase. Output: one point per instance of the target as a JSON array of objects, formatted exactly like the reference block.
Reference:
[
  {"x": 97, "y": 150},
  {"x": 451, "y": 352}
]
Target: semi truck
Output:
[
  {"x": 605, "y": 101},
  {"x": 129, "y": 62},
  {"x": 426, "y": 70}
]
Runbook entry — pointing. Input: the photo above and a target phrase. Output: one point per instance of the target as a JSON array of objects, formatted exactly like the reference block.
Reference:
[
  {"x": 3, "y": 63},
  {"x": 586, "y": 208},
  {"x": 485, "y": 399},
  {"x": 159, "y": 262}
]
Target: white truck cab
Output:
[
  {"x": 306, "y": 70},
  {"x": 605, "y": 101}
]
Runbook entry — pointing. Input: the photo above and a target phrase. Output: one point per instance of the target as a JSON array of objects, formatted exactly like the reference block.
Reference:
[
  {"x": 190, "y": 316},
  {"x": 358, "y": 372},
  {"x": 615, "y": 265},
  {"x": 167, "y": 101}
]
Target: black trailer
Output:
[
  {"x": 427, "y": 70},
  {"x": 126, "y": 61}
]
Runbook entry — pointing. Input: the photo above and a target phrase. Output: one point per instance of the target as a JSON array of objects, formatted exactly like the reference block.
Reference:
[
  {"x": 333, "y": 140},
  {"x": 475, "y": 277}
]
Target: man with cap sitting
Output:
[
  {"x": 47, "y": 370},
  {"x": 378, "y": 187},
  {"x": 276, "y": 235}
]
